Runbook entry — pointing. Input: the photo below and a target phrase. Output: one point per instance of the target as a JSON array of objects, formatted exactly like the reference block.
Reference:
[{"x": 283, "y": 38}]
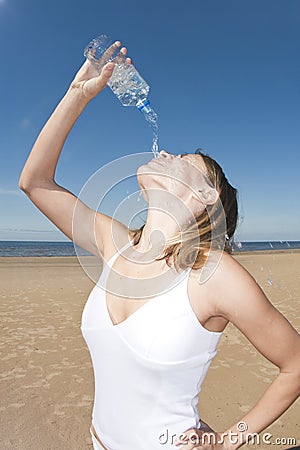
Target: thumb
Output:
[{"x": 105, "y": 75}]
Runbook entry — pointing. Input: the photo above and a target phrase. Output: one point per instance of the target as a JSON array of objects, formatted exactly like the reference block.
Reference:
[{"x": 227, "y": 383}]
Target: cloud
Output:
[{"x": 11, "y": 191}]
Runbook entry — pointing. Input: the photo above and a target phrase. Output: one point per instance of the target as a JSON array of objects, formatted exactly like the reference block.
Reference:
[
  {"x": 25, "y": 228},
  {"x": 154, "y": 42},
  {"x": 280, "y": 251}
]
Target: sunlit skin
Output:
[
  {"x": 229, "y": 295},
  {"x": 173, "y": 183}
]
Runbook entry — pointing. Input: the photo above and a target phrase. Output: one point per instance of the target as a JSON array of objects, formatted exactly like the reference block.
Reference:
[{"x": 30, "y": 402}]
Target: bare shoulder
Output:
[
  {"x": 240, "y": 299},
  {"x": 220, "y": 272},
  {"x": 228, "y": 270},
  {"x": 206, "y": 289},
  {"x": 217, "y": 290},
  {"x": 230, "y": 292},
  {"x": 229, "y": 284}
]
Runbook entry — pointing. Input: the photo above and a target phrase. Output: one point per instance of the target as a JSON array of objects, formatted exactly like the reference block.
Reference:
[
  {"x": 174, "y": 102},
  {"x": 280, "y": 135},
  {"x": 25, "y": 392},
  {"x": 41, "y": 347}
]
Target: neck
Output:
[{"x": 159, "y": 228}]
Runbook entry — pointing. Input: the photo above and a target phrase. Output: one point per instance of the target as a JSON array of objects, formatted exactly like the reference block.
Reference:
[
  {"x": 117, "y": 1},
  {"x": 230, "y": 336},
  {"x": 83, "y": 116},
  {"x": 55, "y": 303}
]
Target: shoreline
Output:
[
  {"x": 268, "y": 252},
  {"x": 56, "y": 258}
]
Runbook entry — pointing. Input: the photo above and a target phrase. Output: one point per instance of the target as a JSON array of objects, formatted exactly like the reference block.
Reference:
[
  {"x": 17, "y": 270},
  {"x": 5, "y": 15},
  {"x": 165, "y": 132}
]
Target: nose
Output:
[{"x": 164, "y": 154}]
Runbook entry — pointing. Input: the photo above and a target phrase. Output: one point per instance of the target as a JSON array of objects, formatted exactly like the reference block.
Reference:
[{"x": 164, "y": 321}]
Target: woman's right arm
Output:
[{"x": 37, "y": 178}]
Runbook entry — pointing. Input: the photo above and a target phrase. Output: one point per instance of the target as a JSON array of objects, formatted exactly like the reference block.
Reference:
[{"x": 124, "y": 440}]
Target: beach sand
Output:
[{"x": 46, "y": 373}]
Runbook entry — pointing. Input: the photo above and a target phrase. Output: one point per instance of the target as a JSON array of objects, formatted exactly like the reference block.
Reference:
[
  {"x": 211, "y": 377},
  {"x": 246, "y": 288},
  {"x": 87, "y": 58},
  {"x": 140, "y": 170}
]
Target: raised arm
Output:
[{"x": 37, "y": 178}]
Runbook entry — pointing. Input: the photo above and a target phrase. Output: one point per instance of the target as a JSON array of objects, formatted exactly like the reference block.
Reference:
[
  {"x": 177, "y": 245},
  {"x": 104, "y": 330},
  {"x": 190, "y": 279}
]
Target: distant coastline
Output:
[
  {"x": 59, "y": 249},
  {"x": 39, "y": 249}
]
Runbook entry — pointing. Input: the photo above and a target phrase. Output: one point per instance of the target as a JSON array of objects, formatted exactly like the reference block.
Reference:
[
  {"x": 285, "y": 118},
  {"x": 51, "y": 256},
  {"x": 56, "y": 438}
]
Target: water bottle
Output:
[{"x": 126, "y": 82}]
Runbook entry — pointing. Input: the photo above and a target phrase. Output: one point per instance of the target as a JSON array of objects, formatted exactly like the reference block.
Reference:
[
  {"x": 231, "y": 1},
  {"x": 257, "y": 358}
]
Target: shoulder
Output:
[
  {"x": 225, "y": 283},
  {"x": 229, "y": 272},
  {"x": 221, "y": 270},
  {"x": 233, "y": 294}
]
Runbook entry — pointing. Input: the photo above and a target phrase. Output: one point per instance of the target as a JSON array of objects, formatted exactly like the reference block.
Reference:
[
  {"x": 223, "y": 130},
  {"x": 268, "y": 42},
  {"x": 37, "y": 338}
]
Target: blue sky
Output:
[{"x": 224, "y": 76}]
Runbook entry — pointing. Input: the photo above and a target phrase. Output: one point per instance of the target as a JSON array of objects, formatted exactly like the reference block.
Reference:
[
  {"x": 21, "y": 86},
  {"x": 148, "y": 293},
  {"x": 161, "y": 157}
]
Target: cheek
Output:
[
  {"x": 197, "y": 207},
  {"x": 180, "y": 190},
  {"x": 182, "y": 184}
]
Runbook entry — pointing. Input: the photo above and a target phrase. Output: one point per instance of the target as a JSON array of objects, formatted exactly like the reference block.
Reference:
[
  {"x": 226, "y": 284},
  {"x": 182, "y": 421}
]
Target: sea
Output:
[{"x": 63, "y": 248}]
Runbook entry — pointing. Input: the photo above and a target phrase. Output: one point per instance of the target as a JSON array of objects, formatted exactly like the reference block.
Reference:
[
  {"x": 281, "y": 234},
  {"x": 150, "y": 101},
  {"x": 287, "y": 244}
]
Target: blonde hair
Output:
[{"x": 213, "y": 229}]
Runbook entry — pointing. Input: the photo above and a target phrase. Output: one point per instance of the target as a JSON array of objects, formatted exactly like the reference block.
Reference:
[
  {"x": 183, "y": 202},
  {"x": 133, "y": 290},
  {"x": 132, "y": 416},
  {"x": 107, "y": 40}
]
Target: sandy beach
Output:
[{"x": 46, "y": 374}]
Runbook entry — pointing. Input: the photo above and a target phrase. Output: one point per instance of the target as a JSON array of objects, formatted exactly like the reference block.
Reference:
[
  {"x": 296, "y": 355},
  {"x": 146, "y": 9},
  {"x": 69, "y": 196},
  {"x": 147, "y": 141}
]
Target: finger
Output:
[
  {"x": 128, "y": 61},
  {"x": 120, "y": 58},
  {"x": 181, "y": 439},
  {"x": 111, "y": 50},
  {"x": 189, "y": 438},
  {"x": 187, "y": 445}
]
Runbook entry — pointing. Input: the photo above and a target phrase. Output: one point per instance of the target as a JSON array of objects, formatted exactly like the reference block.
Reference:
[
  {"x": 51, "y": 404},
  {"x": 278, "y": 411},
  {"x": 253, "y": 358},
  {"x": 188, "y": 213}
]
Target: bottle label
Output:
[{"x": 142, "y": 104}]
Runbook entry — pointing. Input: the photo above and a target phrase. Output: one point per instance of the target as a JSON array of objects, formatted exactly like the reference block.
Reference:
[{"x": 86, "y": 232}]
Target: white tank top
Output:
[{"x": 148, "y": 369}]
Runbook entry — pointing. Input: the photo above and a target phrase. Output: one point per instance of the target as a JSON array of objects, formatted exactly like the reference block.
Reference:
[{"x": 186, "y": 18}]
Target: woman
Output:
[{"x": 169, "y": 293}]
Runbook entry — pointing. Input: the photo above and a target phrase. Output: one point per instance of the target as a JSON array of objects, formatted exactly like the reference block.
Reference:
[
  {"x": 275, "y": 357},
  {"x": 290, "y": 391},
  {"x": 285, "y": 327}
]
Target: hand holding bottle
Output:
[
  {"x": 125, "y": 81},
  {"x": 90, "y": 81}
]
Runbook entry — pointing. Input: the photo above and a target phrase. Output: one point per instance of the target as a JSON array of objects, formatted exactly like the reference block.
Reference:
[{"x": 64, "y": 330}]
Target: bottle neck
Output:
[{"x": 143, "y": 105}]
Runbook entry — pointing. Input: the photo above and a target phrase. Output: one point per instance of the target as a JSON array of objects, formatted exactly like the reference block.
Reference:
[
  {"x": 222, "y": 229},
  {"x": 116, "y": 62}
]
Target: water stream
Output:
[{"x": 152, "y": 119}]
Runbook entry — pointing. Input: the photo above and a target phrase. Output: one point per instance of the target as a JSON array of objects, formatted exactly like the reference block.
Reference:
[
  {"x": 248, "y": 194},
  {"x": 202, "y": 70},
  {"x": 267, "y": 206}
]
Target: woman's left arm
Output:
[{"x": 242, "y": 302}]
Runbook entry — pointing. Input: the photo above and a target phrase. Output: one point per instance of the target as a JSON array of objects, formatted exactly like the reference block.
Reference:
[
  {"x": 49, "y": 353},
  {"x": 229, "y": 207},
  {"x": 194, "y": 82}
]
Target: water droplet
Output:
[{"x": 270, "y": 278}]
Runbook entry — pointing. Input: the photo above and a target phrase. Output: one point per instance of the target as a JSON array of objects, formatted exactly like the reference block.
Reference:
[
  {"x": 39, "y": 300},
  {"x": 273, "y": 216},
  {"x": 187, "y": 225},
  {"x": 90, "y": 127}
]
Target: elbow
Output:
[
  {"x": 28, "y": 185},
  {"x": 293, "y": 371},
  {"x": 24, "y": 181},
  {"x": 22, "y": 186},
  {"x": 25, "y": 185}
]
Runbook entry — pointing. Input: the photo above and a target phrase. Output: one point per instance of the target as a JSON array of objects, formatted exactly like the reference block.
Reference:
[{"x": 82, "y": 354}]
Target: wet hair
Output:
[{"x": 213, "y": 229}]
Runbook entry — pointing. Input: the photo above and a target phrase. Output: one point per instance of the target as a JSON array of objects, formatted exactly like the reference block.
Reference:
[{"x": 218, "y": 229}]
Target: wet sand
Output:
[{"x": 46, "y": 374}]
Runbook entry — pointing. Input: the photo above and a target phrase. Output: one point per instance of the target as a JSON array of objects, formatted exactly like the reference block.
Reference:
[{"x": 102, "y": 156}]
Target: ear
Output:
[{"x": 209, "y": 196}]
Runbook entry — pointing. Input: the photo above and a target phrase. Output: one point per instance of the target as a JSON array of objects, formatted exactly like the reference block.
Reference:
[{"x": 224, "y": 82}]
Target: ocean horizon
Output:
[{"x": 65, "y": 248}]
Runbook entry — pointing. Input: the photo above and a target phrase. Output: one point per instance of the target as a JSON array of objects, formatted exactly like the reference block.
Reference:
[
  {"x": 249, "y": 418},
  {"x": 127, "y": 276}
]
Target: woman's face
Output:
[{"x": 182, "y": 176}]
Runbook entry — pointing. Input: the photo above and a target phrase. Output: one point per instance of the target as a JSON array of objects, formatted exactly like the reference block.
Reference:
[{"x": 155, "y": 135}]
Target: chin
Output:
[{"x": 142, "y": 173}]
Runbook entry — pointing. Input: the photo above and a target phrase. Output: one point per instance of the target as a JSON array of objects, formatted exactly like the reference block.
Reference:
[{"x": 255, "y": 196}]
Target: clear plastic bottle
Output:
[
  {"x": 128, "y": 85},
  {"x": 126, "y": 82}
]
